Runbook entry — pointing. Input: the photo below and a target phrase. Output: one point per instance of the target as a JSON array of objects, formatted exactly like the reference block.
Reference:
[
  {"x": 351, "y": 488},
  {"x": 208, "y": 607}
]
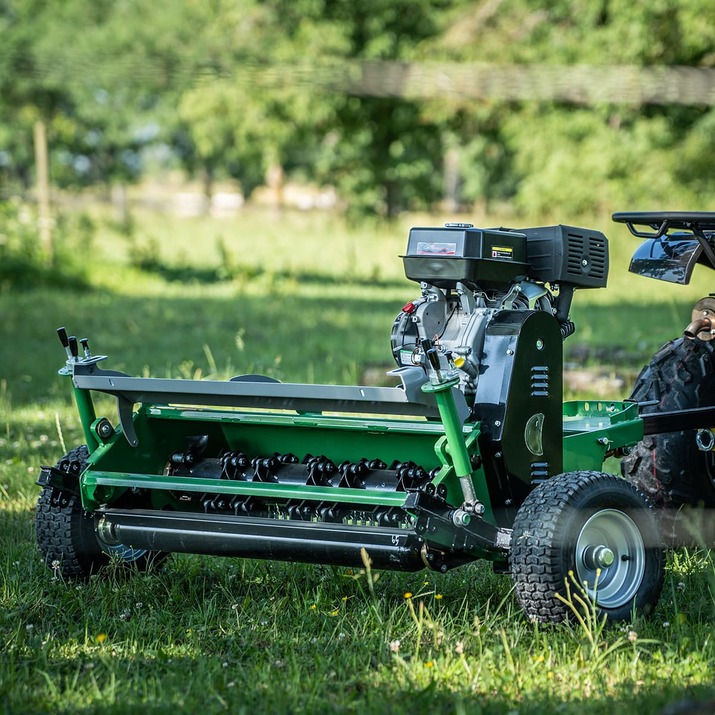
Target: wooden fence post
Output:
[{"x": 43, "y": 189}]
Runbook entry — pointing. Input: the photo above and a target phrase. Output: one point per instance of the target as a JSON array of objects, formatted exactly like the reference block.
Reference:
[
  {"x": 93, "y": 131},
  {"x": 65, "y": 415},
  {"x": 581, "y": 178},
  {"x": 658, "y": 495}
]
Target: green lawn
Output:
[{"x": 303, "y": 298}]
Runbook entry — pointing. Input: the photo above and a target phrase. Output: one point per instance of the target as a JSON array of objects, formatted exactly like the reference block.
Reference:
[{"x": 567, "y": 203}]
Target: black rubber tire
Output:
[
  {"x": 66, "y": 535},
  {"x": 559, "y": 528},
  {"x": 669, "y": 468}
]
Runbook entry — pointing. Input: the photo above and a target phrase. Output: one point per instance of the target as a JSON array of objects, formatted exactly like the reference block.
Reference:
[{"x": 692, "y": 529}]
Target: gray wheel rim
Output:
[
  {"x": 610, "y": 558},
  {"x": 109, "y": 545}
]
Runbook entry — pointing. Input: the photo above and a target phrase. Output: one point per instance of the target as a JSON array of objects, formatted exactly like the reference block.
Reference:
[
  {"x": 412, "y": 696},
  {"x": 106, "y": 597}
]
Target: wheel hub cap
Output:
[
  {"x": 610, "y": 558},
  {"x": 598, "y": 557}
]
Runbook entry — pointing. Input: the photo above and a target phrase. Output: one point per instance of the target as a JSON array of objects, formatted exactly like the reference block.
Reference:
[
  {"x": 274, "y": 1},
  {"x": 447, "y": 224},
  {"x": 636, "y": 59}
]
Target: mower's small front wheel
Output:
[
  {"x": 587, "y": 535},
  {"x": 66, "y": 534}
]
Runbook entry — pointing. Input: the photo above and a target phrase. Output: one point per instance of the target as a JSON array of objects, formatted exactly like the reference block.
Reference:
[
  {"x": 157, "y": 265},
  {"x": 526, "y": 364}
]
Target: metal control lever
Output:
[
  {"x": 432, "y": 356},
  {"x": 62, "y": 335},
  {"x": 72, "y": 346}
]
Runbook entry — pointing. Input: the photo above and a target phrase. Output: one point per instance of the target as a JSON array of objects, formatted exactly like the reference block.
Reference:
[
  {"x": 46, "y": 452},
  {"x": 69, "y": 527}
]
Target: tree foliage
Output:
[{"x": 203, "y": 81}]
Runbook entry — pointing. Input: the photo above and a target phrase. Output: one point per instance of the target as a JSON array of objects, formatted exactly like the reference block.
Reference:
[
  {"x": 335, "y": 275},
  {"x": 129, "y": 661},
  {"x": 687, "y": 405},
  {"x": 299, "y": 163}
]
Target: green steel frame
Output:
[{"x": 592, "y": 432}]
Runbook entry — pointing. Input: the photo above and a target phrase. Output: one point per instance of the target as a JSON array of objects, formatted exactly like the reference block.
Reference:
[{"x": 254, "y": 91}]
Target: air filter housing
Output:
[{"x": 567, "y": 254}]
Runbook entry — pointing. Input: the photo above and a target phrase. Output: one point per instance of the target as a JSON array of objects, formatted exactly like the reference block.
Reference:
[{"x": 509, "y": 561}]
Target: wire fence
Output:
[{"x": 573, "y": 84}]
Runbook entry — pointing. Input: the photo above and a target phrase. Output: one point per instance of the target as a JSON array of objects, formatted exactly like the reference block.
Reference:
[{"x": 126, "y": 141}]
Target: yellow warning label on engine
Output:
[{"x": 503, "y": 252}]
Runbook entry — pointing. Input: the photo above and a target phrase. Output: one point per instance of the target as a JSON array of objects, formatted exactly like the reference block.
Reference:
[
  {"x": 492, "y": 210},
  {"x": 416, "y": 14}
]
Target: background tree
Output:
[
  {"x": 246, "y": 88},
  {"x": 544, "y": 156}
]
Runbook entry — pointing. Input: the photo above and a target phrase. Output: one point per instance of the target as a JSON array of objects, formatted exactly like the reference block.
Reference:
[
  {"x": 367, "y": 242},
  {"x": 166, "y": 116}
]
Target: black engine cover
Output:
[{"x": 518, "y": 402}]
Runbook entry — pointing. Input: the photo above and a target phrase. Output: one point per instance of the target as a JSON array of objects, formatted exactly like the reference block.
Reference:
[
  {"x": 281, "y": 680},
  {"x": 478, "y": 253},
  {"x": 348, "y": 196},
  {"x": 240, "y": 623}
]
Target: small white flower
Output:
[
  {"x": 632, "y": 636},
  {"x": 395, "y": 646}
]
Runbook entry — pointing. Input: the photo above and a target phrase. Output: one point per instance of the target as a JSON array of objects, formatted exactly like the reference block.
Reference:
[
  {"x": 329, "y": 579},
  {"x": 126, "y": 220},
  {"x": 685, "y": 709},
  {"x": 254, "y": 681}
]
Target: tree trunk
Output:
[
  {"x": 393, "y": 198},
  {"x": 121, "y": 207},
  {"x": 207, "y": 184},
  {"x": 275, "y": 180},
  {"x": 451, "y": 180}
]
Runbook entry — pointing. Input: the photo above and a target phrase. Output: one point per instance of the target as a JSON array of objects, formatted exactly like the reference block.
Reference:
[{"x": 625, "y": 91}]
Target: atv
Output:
[{"x": 676, "y": 469}]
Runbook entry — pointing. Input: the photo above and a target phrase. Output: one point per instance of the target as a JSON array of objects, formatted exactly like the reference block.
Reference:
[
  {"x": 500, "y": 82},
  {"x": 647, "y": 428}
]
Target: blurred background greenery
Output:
[
  {"x": 209, "y": 150},
  {"x": 213, "y": 187},
  {"x": 546, "y": 107}
]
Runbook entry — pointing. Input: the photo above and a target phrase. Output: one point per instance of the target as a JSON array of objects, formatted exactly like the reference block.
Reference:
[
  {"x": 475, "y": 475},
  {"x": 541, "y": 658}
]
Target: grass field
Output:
[{"x": 302, "y": 298}]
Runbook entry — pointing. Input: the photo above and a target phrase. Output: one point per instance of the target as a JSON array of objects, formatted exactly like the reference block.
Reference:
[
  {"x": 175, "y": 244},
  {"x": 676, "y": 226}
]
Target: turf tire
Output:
[
  {"x": 559, "y": 528},
  {"x": 66, "y": 534}
]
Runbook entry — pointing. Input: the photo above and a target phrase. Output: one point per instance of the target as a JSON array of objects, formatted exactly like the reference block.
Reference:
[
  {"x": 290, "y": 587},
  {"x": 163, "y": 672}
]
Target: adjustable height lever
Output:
[
  {"x": 72, "y": 346},
  {"x": 62, "y": 335}
]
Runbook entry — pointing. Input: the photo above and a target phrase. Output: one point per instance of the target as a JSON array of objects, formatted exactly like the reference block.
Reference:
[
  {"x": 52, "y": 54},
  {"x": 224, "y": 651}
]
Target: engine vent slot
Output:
[
  {"x": 575, "y": 255},
  {"x": 539, "y": 472},
  {"x": 586, "y": 256},
  {"x": 539, "y": 381}
]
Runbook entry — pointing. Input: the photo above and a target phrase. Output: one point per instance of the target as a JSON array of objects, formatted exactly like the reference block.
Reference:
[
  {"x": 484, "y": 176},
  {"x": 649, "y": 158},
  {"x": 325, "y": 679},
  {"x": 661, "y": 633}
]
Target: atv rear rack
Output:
[{"x": 666, "y": 256}]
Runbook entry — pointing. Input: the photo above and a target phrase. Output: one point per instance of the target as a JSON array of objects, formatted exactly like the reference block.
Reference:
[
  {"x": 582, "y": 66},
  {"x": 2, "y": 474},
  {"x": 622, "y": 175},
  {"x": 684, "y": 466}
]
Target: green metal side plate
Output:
[{"x": 593, "y": 429}]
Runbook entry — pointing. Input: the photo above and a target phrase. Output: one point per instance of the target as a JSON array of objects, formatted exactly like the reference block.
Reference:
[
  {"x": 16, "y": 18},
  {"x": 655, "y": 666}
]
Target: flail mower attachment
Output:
[{"x": 471, "y": 455}]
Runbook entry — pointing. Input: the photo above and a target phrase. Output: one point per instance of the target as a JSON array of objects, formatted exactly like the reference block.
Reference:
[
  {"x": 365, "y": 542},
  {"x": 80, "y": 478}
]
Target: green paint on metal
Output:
[
  {"x": 592, "y": 429},
  {"x": 87, "y": 417},
  {"x": 452, "y": 425},
  {"x": 479, "y": 478},
  {"x": 164, "y": 430},
  {"x": 456, "y": 448},
  {"x": 93, "y": 479},
  {"x": 394, "y": 425}
]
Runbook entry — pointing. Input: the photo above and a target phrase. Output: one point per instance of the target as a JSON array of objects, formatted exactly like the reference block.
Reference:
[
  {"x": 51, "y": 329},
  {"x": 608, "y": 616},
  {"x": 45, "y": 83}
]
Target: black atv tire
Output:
[
  {"x": 66, "y": 533},
  {"x": 581, "y": 529},
  {"x": 669, "y": 468}
]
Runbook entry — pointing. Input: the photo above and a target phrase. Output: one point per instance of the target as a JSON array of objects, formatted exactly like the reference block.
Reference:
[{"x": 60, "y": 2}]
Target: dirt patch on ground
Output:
[
  {"x": 602, "y": 382},
  {"x": 598, "y": 382}
]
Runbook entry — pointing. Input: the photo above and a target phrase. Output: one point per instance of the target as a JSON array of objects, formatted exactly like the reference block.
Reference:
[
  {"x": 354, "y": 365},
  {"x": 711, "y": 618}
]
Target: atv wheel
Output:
[
  {"x": 595, "y": 532},
  {"x": 66, "y": 533},
  {"x": 669, "y": 468}
]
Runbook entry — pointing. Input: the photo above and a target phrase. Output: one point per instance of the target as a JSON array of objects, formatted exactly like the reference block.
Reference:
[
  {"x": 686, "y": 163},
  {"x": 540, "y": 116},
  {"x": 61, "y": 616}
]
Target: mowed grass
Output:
[{"x": 301, "y": 298}]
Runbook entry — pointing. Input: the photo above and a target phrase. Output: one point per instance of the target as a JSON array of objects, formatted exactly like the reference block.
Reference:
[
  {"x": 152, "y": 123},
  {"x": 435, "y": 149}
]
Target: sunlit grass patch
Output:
[{"x": 212, "y": 635}]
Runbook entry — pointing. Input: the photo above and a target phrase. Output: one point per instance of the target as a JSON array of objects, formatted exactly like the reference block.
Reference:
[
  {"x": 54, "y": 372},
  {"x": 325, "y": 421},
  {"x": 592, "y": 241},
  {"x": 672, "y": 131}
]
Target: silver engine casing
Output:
[{"x": 456, "y": 322}]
